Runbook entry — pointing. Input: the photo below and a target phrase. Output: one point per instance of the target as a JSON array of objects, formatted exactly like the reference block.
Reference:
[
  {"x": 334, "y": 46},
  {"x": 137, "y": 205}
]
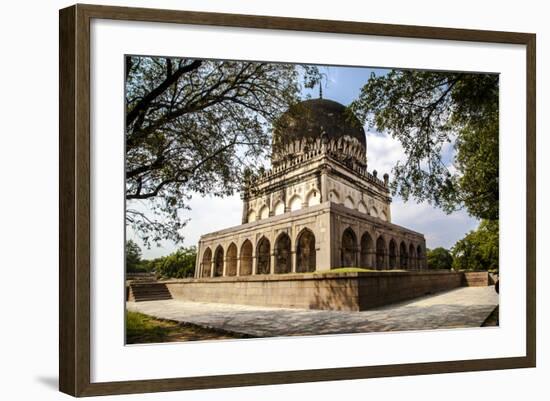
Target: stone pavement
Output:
[{"x": 461, "y": 307}]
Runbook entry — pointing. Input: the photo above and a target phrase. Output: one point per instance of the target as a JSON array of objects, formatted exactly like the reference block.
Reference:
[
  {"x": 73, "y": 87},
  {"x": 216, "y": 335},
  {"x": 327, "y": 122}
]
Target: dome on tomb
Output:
[{"x": 317, "y": 118}]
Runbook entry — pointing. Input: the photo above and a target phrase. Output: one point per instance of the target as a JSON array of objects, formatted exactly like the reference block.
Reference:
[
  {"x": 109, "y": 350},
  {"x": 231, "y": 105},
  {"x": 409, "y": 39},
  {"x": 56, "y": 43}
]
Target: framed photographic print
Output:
[{"x": 250, "y": 200}]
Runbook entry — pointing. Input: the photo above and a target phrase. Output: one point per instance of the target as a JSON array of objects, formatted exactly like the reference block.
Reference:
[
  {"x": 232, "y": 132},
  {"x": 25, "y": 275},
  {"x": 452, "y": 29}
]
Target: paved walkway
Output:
[{"x": 462, "y": 307}]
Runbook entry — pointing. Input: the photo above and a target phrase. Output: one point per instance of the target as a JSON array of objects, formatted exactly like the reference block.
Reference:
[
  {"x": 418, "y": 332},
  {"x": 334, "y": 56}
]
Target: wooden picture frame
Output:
[{"x": 74, "y": 199}]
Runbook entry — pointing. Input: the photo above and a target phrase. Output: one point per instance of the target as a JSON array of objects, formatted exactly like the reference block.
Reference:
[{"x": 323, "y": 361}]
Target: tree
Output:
[
  {"x": 133, "y": 257},
  {"x": 428, "y": 112},
  {"x": 194, "y": 126},
  {"x": 439, "y": 258},
  {"x": 478, "y": 250},
  {"x": 179, "y": 264}
]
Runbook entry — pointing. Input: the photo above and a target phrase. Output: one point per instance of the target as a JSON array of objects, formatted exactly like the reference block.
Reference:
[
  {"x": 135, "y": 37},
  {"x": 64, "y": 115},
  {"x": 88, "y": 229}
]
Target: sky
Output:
[{"x": 342, "y": 84}]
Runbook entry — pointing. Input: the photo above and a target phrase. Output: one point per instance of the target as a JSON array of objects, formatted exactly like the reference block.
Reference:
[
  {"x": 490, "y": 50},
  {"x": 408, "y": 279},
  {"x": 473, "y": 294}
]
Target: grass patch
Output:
[
  {"x": 143, "y": 329},
  {"x": 355, "y": 270},
  {"x": 347, "y": 270},
  {"x": 344, "y": 270}
]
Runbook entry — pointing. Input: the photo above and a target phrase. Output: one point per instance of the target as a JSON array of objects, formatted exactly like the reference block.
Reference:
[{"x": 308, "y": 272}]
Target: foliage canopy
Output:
[
  {"x": 439, "y": 258},
  {"x": 478, "y": 250},
  {"x": 133, "y": 257},
  {"x": 428, "y": 113},
  {"x": 194, "y": 126},
  {"x": 179, "y": 264}
]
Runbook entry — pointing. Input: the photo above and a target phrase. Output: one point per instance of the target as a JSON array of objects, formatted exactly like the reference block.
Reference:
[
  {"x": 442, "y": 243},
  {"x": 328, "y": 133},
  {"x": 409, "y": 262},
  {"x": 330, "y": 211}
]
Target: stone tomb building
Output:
[{"x": 316, "y": 209}]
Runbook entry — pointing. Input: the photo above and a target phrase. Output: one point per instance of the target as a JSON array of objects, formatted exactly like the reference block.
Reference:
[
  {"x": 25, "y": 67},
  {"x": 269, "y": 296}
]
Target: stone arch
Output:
[
  {"x": 403, "y": 257},
  {"x": 231, "y": 260},
  {"x": 246, "y": 258},
  {"x": 333, "y": 196},
  {"x": 349, "y": 248},
  {"x": 251, "y": 216},
  {"x": 348, "y": 202},
  {"x": 373, "y": 212},
  {"x": 361, "y": 207},
  {"x": 283, "y": 262},
  {"x": 383, "y": 216},
  {"x": 419, "y": 257},
  {"x": 313, "y": 198},
  {"x": 367, "y": 250},
  {"x": 306, "y": 254},
  {"x": 264, "y": 213},
  {"x": 295, "y": 203},
  {"x": 206, "y": 264},
  {"x": 218, "y": 262},
  {"x": 412, "y": 257},
  {"x": 279, "y": 208},
  {"x": 392, "y": 254},
  {"x": 263, "y": 256},
  {"x": 380, "y": 253}
]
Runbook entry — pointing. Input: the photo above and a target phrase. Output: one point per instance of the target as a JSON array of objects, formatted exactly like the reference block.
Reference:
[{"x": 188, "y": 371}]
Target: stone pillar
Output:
[
  {"x": 198, "y": 265},
  {"x": 212, "y": 265},
  {"x": 293, "y": 261},
  {"x": 272, "y": 263},
  {"x": 224, "y": 270},
  {"x": 238, "y": 267},
  {"x": 254, "y": 263},
  {"x": 324, "y": 185},
  {"x": 397, "y": 257}
]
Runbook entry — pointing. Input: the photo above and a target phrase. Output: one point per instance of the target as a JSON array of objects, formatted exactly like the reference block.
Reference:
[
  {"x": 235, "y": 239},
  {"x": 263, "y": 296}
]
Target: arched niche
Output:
[
  {"x": 295, "y": 203},
  {"x": 348, "y": 202},
  {"x": 348, "y": 249},
  {"x": 313, "y": 198},
  {"x": 231, "y": 260},
  {"x": 283, "y": 262},
  {"x": 412, "y": 257},
  {"x": 279, "y": 208},
  {"x": 206, "y": 263},
  {"x": 373, "y": 212},
  {"x": 367, "y": 250},
  {"x": 263, "y": 256},
  {"x": 392, "y": 254},
  {"x": 218, "y": 262},
  {"x": 264, "y": 212},
  {"x": 306, "y": 254},
  {"x": 251, "y": 216},
  {"x": 334, "y": 197},
  {"x": 246, "y": 259}
]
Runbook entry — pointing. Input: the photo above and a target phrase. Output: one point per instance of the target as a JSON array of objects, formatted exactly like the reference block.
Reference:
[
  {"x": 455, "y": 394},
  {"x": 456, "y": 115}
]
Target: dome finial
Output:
[{"x": 320, "y": 89}]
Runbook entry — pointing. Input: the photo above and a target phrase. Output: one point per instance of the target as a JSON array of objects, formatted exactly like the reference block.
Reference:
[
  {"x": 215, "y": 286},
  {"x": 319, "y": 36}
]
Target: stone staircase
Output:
[{"x": 139, "y": 292}]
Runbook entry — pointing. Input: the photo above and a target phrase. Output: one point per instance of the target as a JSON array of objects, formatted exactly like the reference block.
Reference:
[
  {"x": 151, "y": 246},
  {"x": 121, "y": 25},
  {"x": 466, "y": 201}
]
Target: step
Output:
[{"x": 149, "y": 292}]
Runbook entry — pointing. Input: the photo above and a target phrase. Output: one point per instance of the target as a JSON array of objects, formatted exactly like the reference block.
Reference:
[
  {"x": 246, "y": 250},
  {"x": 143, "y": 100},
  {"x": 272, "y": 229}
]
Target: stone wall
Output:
[
  {"x": 331, "y": 291},
  {"x": 476, "y": 279}
]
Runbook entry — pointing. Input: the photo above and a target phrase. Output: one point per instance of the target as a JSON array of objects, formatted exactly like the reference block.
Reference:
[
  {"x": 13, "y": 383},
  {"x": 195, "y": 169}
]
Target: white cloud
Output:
[
  {"x": 206, "y": 214},
  {"x": 383, "y": 152},
  {"x": 440, "y": 229}
]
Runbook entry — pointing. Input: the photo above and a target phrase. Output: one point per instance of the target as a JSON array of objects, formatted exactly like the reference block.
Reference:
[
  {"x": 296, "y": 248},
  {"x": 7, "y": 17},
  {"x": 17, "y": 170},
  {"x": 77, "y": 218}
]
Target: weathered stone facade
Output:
[{"x": 316, "y": 209}]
